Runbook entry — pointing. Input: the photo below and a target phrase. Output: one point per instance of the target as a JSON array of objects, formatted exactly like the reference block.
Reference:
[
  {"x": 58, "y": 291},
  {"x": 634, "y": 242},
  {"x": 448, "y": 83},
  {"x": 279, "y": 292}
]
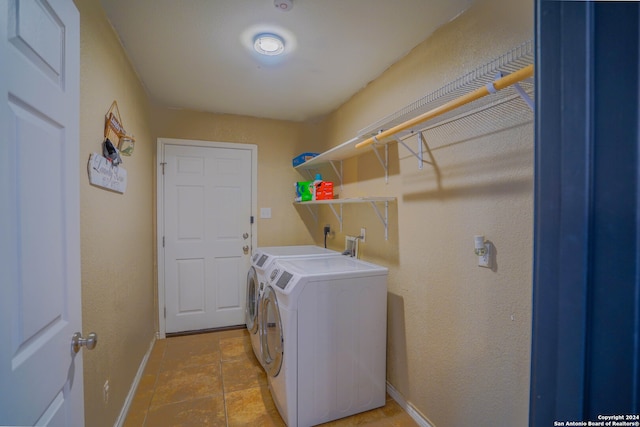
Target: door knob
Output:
[
  {"x": 90, "y": 342},
  {"x": 245, "y": 248},
  {"x": 245, "y": 236}
]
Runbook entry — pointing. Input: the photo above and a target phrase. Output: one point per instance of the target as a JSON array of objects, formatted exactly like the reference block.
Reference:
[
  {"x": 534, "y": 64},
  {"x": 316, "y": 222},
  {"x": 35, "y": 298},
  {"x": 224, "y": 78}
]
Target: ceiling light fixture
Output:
[
  {"x": 268, "y": 44},
  {"x": 283, "y": 5}
]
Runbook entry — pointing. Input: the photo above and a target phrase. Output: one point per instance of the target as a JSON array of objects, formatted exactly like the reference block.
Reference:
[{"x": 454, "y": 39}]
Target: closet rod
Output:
[{"x": 497, "y": 85}]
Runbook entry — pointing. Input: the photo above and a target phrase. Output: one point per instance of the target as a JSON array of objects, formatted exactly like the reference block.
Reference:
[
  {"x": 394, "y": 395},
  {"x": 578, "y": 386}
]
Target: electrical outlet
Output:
[
  {"x": 351, "y": 245},
  {"x": 485, "y": 260},
  {"x": 105, "y": 391},
  {"x": 363, "y": 232}
]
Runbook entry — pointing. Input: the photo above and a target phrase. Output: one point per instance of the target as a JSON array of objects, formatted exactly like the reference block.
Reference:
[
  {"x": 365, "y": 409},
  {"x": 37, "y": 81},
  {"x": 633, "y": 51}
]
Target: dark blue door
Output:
[{"x": 586, "y": 298}]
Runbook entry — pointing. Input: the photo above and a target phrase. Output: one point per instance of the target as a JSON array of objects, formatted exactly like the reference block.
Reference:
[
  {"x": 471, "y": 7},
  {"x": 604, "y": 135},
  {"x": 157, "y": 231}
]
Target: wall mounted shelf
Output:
[
  {"x": 372, "y": 201},
  {"x": 494, "y": 96}
]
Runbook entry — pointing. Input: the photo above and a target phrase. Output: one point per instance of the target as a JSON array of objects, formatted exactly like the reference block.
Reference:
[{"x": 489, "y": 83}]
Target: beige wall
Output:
[
  {"x": 459, "y": 335},
  {"x": 117, "y": 230}
]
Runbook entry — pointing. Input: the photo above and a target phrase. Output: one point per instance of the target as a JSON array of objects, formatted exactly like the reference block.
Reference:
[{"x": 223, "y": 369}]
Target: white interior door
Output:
[
  {"x": 40, "y": 376},
  {"x": 207, "y": 235}
]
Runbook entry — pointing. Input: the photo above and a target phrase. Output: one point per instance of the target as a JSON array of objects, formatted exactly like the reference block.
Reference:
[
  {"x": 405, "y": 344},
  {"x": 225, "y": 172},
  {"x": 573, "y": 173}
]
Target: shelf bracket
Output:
[
  {"x": 523, "y": 94},
  {"x": 420, "y": 150},
  {"x": 339, "y": 217},
  {"x": 384, "y": 219},
  {"x": 313, "y": 214},
  {"x": 384, "y": 163},
  {"x": 335, "y": 169},
  {"x": 419, "y": 155}
]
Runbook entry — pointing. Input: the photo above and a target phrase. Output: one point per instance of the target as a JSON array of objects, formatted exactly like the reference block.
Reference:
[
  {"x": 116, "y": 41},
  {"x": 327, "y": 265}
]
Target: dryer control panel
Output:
[{"x": 283, "y": 280}]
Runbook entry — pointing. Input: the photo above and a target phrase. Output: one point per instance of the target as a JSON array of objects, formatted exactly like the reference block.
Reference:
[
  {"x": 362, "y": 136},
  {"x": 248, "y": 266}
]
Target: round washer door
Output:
[
  {"x": 271, "y": 336},
  {"x": 253, "y": 301}
]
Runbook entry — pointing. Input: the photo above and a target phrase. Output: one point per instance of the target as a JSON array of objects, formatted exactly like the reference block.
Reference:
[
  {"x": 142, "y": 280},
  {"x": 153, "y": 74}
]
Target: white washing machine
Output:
[
  {"x": 323, "y": 336},
  {"x": 256, "y": 278}
]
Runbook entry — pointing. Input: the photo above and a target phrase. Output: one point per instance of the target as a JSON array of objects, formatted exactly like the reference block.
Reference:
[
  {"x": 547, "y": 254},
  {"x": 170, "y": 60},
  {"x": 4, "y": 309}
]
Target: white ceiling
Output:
[{"x": 197, "y": 54}]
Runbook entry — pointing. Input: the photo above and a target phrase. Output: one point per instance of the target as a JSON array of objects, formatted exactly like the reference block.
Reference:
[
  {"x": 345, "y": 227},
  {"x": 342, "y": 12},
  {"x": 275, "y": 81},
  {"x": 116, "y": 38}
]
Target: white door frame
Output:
[{"x": 160, "y": 206}]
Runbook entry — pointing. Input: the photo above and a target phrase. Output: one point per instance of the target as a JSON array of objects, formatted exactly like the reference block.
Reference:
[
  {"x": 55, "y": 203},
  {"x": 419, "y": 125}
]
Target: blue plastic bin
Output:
[{"x": 301, "y": 158}]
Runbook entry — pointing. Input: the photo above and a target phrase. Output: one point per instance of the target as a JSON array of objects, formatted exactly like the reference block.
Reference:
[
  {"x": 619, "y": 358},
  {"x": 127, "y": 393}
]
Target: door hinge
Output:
[
  {"x": 251, "y": 219},
  {"x": 163, "y": 241},
  {"x": 162, "y": 164},
  {"x": 165, "y": 312}
]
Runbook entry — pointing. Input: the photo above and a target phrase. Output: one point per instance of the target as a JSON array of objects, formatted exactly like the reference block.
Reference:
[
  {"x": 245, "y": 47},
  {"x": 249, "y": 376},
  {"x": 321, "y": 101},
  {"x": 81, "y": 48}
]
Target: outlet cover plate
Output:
[
  {"x": 485, "y": 260},
  {"x": 351, "y": 245}
]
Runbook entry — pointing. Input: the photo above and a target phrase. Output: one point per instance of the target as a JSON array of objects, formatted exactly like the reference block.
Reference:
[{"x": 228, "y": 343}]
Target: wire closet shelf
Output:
[
  {"x": 509, "y": 103},
  {"x": 510, "y": 106}
]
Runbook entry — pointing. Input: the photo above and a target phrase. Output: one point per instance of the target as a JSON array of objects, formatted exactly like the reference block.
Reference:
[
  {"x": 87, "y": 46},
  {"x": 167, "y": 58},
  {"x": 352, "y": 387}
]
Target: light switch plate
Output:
[{"x": 265, "y": 213}]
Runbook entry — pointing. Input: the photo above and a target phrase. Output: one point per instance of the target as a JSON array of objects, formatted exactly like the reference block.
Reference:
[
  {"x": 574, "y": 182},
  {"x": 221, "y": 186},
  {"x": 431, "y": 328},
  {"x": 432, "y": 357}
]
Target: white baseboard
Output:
[
  {"x": 408, "y": 407},
  {"x": 134, "y": 386}
]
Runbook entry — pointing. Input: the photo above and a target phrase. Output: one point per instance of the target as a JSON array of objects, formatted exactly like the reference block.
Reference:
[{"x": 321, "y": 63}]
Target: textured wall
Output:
[
  {"x": 459, "y": 335},
  {"x": 117, "y": 230}
]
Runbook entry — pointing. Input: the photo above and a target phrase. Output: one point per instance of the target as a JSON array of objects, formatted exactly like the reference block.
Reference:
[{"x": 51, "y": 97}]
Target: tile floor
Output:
[{"x": 214, "y": 379}]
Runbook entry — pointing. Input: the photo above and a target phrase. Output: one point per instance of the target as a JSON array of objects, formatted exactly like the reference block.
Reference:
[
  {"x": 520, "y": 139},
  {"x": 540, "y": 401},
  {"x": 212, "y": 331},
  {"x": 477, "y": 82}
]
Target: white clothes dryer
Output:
[
  {"x": 260, "y": 262},
  {"x": 323, "y": 334}
]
